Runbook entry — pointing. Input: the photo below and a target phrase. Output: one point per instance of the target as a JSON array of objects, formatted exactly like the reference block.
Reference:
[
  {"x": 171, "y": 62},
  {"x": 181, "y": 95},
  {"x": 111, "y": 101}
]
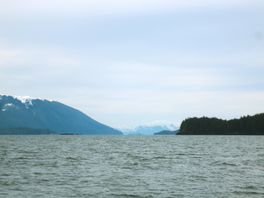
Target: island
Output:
[
  {"x": 246, "y": 125},
  {"x": 167, "y": 132},
  {"x": 69, "y": 134}
]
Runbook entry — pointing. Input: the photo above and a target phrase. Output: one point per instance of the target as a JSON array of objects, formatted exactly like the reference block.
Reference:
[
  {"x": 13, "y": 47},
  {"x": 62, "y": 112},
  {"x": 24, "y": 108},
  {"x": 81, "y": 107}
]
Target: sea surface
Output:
[{"x": 131, "y": 166}]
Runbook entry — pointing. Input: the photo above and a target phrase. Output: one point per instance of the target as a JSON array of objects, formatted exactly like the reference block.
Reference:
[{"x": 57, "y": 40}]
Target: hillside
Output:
[
  {"x": 247, "y": 125},
  {"x": 18, "y": 111}
]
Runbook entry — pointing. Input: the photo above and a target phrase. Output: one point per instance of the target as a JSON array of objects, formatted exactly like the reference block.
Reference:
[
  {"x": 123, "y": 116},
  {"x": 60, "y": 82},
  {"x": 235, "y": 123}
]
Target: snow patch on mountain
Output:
[
  {"x": 6, "y": 106},
  {"x": 27, "y": 100}
]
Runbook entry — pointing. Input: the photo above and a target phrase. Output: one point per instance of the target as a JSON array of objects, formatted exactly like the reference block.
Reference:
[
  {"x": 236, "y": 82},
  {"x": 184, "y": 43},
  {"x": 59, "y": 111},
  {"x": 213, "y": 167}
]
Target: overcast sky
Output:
[{"x": 134, "y": 61}]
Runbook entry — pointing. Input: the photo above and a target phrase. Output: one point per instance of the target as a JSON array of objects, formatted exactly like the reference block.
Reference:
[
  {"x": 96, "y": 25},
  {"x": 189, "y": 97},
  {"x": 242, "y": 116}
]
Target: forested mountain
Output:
[
  {"x": 247, "y": 125},
  {"x": 24, "y": 111}
]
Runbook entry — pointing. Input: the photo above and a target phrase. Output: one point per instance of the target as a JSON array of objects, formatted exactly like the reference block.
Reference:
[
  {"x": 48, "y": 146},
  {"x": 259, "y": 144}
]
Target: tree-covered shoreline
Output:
[
  {"x": 246, "y": 125},
  {"x": 26, "y": 131}
]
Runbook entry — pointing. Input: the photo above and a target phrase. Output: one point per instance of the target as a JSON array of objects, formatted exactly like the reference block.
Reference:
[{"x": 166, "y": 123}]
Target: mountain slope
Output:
[
  {"x": 30, "y": 112},
  {"x": 148, "y": 128}
]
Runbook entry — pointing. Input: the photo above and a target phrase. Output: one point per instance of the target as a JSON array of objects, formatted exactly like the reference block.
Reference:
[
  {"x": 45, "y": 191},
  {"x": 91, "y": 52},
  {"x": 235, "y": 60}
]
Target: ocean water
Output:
[{"x": 131, "y": 166}]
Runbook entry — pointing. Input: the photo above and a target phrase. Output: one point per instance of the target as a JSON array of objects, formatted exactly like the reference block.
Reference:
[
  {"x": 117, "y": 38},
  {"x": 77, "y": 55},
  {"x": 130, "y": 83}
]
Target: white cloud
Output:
[
  {"x": 8, "y": 55},
  {"x": 109, "y": 7},
  {"x": 201, "y": 63}
]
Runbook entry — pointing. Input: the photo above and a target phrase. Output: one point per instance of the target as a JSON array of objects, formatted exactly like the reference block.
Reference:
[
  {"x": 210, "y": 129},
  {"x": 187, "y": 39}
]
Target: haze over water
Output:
[{"x": 131, "y": 166}]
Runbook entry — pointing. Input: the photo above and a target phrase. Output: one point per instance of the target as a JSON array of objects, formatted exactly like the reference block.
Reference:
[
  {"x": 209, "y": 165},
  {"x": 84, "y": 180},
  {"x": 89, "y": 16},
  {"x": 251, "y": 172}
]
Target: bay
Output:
[{"x": 131, "y": 166}]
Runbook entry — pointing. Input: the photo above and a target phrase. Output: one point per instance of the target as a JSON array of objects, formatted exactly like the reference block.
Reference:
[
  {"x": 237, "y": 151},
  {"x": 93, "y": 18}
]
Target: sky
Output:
[{"x": 135, "y": 61}]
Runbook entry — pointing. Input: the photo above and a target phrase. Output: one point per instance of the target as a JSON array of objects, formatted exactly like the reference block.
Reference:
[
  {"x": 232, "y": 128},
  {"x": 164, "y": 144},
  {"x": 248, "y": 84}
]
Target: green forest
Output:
[
  {"x": 26, "y": 131},
  {"x": 246, "y": 125}
]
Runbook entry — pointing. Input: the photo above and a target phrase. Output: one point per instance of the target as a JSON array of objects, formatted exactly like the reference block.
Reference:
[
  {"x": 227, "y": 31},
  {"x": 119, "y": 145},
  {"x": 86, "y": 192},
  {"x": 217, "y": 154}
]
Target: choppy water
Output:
[{"x": 131, "y": 166}]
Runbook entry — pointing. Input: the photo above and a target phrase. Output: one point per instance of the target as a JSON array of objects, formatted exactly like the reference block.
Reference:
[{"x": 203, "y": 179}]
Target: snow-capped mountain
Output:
[
  {"x": 26, "y": 100},
  {"x": 148, "y": 128},
  {"x": 25, "y": 111}
]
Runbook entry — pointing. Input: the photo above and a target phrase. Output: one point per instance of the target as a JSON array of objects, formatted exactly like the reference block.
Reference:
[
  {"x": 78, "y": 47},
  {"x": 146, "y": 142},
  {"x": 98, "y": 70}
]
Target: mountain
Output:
[
  {"x": 148, "y": 128},
  {"x": 25, "y": 111}
]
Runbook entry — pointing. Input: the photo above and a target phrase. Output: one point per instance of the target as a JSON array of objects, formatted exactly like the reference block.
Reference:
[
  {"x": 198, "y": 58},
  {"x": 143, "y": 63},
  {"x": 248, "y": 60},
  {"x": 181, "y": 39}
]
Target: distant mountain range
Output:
[
  {"x": 148, "y": 128},
  {"x": 25, "y": 111}
]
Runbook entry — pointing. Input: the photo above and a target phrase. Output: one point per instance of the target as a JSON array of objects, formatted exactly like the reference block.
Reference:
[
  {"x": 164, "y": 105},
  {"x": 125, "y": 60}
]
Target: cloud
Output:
[
  {"x": 109, "y": 7},
  {"x": 136, "y": 61},
  {"x": 193, "y": 72},
  {"x": 7, "y": 55}
]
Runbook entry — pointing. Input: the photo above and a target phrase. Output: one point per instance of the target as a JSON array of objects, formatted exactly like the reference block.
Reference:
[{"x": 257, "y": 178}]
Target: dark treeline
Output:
[
  {"x": 26, "y": 131},
  {"x": 246, "y": 125}
]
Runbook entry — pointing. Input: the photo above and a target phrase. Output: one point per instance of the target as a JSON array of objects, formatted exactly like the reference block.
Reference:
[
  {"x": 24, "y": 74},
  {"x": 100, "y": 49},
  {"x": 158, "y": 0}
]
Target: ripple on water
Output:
[{"x": 131, "y": 166}]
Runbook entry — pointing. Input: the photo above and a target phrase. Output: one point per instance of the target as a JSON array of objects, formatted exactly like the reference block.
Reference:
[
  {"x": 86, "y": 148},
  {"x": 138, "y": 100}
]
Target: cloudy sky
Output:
[{"x": 134, "y": 61}]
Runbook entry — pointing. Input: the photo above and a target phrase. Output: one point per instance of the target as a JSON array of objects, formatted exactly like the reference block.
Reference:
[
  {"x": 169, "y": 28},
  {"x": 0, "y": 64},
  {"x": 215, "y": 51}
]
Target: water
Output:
[{"x": 131, "y": 166}]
